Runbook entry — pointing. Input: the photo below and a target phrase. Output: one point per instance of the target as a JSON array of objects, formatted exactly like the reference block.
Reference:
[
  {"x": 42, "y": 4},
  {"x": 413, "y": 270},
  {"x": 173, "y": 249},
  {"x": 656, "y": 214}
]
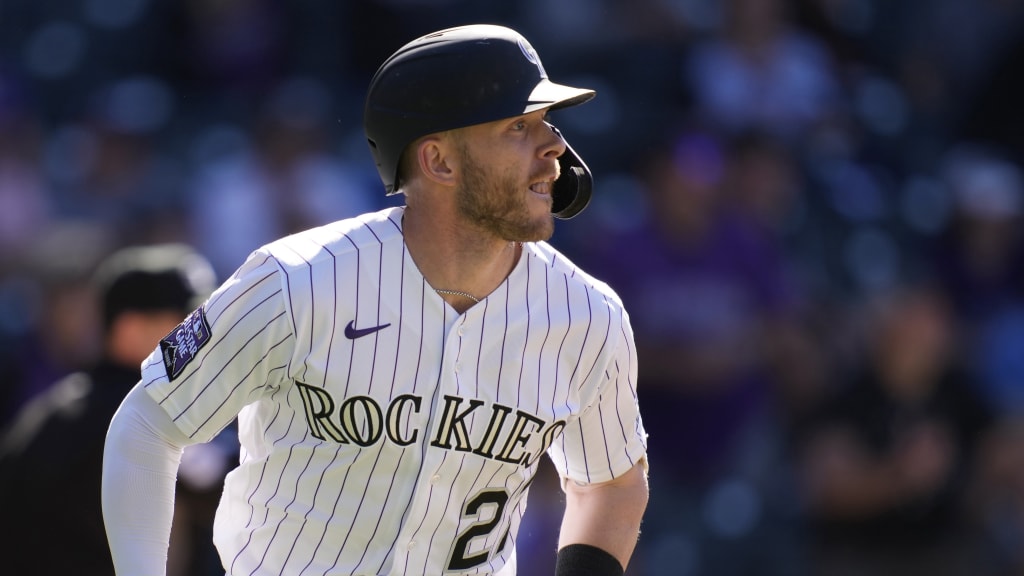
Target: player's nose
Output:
[{"x": 555, "y": 145}]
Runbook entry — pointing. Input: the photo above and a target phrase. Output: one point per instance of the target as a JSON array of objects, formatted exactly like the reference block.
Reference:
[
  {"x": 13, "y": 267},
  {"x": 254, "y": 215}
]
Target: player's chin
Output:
[
  {"x": 539, "y": 201},
  {"x": 541, "y": 226}
]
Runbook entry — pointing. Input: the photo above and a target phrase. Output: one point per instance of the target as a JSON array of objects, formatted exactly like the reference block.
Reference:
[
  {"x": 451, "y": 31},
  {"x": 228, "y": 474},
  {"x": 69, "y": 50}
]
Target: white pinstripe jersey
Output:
[{"x": 381, "y": 431}]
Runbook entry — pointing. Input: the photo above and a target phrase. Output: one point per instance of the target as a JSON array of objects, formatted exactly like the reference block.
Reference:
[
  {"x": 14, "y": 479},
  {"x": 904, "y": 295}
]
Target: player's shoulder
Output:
[
  {"x": 558, "y": 264},
  {"x": 337, "y": 239}
]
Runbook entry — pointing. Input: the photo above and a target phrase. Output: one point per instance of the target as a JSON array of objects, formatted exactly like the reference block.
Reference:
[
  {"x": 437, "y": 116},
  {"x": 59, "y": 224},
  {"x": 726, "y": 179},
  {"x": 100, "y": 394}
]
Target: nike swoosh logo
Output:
[{"x": 351, "y": 332}]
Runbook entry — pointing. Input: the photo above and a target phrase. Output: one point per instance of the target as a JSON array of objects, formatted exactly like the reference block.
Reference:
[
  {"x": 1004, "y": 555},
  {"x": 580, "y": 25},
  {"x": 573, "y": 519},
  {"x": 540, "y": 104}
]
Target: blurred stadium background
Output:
[{"x": 810, "y": 207}]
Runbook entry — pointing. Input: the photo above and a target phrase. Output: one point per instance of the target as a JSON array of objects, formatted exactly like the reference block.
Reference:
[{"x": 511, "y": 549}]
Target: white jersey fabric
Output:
[{"x": 381, "y": 431}]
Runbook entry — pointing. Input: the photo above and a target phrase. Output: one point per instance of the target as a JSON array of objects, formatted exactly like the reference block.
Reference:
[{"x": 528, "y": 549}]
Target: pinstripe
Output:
[
  {"x": 221, "y": 370},
  {"x": 323, "y": 535},
  {"x": 213, "y": 321},
  {"x": 240, "y": 382},
  {"x": 305, "y": 519},
  {"x": 252, "y": 508},
  {"x": 422, "y": 331},
  {"x": 295, "y": 495},
  {"x": 377, "y": 524},
  {"x": 324, "y": 420},
  {"x": 327, "y": 364},
  {"x": 526, "y": 346},
  {"x": 447, "y": 501},
  {"x": 351, "y": 525},
  {"x": 298, "y": 477},
  {"x": 356, "y": 315}
]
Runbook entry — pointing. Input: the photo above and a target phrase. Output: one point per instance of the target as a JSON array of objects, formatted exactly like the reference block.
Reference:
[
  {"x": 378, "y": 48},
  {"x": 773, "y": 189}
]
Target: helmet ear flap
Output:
[{"x": 571, "y": 192}]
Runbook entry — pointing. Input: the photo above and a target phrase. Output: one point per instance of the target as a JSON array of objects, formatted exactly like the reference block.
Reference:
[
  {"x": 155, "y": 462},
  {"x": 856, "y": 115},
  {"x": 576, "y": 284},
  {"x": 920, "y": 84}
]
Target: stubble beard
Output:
[{"x": 495, "y": 203}]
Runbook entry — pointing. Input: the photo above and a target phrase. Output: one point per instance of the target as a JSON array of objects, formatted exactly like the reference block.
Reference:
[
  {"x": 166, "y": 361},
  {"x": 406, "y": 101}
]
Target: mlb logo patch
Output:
[{"x": 181, "y": 345}]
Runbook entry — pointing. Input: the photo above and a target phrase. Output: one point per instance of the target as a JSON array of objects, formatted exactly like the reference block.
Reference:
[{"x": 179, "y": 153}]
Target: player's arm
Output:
[
  {"x": 140, "y": 464},
  {"x": 606, "y": 490},
  {"x": 605, "y": 516}
]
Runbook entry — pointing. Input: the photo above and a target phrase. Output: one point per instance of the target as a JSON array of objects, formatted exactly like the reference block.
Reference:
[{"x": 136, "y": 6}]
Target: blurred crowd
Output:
[{"x": 811, "y": 209}]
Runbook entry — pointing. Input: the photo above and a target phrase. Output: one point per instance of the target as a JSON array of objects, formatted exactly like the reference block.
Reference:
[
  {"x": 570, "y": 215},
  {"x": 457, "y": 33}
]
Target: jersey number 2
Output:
[{"x": 497, "y": 498}]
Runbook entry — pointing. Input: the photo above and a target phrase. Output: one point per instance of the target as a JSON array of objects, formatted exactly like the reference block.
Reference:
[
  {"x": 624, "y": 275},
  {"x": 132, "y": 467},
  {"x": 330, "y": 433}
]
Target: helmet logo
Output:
[{"x": 532, "y": 56}]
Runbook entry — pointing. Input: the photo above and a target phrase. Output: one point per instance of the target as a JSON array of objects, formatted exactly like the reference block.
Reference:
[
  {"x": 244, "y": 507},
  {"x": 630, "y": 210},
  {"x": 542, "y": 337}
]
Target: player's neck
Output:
[{"x": 451, "y": 257}]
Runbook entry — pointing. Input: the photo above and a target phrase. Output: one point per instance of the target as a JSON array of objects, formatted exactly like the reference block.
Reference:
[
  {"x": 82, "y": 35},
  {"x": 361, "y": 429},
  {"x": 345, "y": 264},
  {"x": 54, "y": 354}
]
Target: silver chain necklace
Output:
[{"x": 457, "y": 293}]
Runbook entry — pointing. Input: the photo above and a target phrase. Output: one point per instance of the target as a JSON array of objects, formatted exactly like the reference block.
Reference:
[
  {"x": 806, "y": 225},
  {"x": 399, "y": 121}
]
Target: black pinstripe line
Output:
[
  {"x": 354, "y": 516},
  {"x": 438, "y": 381},
  {"x": 423, "y": 445},
  {"x": 284, "y": 510},
  {"x": 334, "y": 513},
  {"x": 514, "y": 508},
  {"x": 355, "y": 307},
  {"x": 394, "y": 376},
  {"x": 380, "y": 277},
  {"x": 583, "y": 439},
  {"x": 618, "y": 414},
  {"x": 504, "y": 340},
  {"x": 565, "y": 336},
  {"x": 373, "y": 365},
  {"x": 341, "y": 491},
  {"x": 330, "y": 519},
  {"x": 631, "y": 354},
  {"x": 447, "y": 503},
  {"x": 589, "y": 375},
  {"x": 526, "y": 342},
  {"x": 380, "y": 286},
  {"x": 212, "y": 322},
  {"x": 479, "y": 353},
  {"x": 215, "y": 376},
  {"x": 376, "y": 526},
  {"x": 327, "y": 367},
  {"x": 401, "y": 307},
  {"x": 263, "y": 471},
  {"x": 237, "y": 276},
  {"x": 312, "y": 506},
  {"x": 234, "y": 389},
  {"x": 416, "y": 379},
  {"x": 312, "y": 555},
  {"x": 568, "y": 308}
]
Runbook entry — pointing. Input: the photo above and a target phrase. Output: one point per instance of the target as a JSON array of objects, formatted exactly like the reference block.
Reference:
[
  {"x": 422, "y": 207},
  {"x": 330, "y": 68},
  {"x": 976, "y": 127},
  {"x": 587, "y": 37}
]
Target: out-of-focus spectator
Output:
[
  {"x": 980, "y": 261},
  {"x": 51, "y": 455},
  {"x": 47, "y": 307},
  {"x": 281, "y": 180},
  {"x": 25, "y": 204},
  {"x": 765, "y": 186},
  {"x": 761, "y": 72},
  {"x": 107, "y": 166},
  {"x": 234, "y": 50},
  {"x": 981, "y": 254},
  {"x": 889, "y": 462},
  {"x": 707, "y": 288}
]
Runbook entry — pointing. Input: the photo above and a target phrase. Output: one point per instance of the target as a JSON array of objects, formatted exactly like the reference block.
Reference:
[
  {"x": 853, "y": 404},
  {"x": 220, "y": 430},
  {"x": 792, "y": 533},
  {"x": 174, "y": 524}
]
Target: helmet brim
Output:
[{"x": 548, "y": 94}]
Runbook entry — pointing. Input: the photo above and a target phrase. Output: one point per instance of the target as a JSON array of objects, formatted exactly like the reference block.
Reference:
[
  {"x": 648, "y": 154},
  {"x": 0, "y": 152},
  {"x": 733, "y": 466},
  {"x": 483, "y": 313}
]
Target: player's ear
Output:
[{"x": 436, "y": 159}]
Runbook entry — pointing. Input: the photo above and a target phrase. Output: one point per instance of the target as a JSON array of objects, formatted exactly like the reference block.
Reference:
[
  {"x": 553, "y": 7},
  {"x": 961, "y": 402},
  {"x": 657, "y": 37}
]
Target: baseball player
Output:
[{"x": 397, "y": 376}]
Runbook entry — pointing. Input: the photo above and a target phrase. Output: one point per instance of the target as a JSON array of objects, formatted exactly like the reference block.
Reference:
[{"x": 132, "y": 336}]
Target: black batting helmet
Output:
[{"x": 460, "y": 77}]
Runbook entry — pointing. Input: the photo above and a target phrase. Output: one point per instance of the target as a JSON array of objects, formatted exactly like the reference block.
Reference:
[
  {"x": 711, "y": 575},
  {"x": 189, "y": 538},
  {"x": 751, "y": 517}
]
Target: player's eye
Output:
[{"x": 519, "y": 125}]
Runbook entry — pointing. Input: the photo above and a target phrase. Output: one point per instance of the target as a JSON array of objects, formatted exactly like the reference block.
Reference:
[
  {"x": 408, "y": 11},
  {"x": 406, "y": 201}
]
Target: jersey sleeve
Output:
[
  {"x": 231, "y": 351},
  {"x": 608, "y": 438}
]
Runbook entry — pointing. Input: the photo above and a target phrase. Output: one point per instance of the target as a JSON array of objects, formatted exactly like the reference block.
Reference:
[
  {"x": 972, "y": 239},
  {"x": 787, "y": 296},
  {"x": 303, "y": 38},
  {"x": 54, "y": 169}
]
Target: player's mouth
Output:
[{"x": 543, "y": 187}]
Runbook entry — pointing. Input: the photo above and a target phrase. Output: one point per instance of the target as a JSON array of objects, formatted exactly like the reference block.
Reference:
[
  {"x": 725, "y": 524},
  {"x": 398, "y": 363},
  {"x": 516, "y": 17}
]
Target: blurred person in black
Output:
[
  {"x": 51, "y": 454},
  {"x": 891, "y": 459}
]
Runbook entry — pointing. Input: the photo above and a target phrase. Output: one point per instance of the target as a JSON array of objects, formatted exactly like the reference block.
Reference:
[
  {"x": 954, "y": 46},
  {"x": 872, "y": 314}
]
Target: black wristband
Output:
[{"x": 586, "y": 560}]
